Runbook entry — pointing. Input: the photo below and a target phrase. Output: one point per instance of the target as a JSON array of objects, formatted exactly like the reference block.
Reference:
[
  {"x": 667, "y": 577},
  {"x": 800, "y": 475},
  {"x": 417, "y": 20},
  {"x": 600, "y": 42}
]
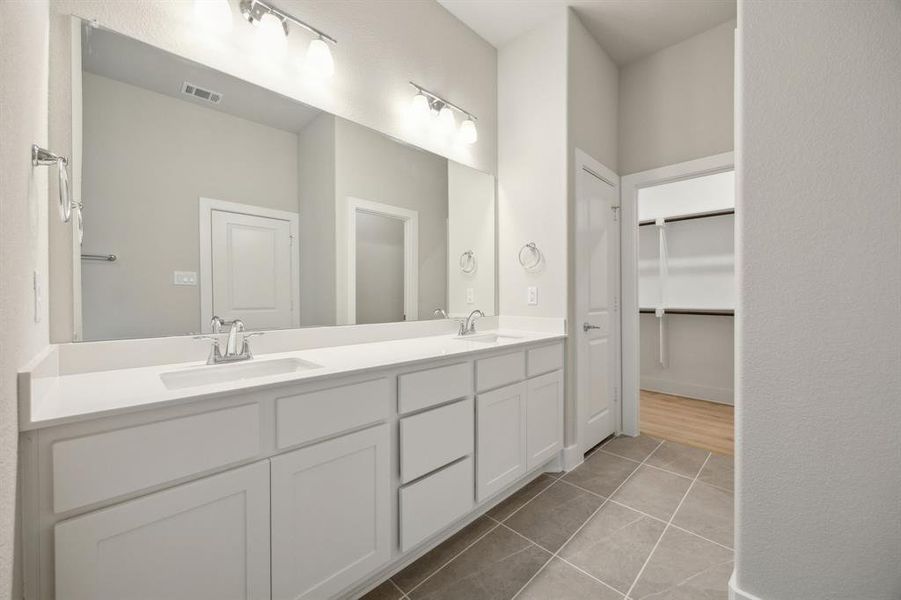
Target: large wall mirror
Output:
[{"x": 206, "y": 195}]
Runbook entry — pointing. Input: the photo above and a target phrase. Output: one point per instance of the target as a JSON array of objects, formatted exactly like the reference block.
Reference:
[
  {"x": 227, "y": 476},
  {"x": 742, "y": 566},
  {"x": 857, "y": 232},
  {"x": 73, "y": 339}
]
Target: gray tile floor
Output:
[{"x": 639, "y": 519}]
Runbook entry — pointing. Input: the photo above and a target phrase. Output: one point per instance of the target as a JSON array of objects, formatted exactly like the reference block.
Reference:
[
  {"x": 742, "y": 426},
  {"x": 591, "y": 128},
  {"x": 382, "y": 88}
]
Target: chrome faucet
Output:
[
  {"x": 468, "y": 326},
  {"x": 237, "y": 347}
]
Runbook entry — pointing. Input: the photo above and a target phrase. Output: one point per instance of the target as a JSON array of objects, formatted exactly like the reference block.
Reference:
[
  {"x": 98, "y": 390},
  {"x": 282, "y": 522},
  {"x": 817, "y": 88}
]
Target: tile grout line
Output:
[
  {"x": 648, "y": 515},
  {"x": 529, "y": 501},
  {"x": 648, "y": 464},
  {"x": 450, "y": 560},
  {"x": 673, "y": 516},
  {"x": 557, "y": 554},
  {"x": 582, "y": 526},
  {"x": 403, "y": 594}
]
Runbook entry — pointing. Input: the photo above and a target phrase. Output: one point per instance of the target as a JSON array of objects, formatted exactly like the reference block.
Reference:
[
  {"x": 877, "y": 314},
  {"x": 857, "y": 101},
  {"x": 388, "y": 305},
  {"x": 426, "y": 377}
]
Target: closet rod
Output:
[
  {"x": 700, "y": 215},
  {"x": 724, "y": 312}
]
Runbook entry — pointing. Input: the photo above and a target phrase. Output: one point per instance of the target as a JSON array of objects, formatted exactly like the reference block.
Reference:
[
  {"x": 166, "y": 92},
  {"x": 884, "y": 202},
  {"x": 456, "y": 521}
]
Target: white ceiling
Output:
[
  {"x": 626, "y": 29},
  {"x": 130, "y": 61}
]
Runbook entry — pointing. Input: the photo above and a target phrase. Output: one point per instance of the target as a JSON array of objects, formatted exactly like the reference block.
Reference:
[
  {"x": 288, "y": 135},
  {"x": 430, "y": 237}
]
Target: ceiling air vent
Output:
[{"x": 203, "y": 94}]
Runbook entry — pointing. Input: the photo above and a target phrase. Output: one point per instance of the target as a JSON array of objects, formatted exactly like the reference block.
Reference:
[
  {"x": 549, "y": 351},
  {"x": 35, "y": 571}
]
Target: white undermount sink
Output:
[
  {"x": 211, "y": 374},
  {"x": 487, "y": 338}
]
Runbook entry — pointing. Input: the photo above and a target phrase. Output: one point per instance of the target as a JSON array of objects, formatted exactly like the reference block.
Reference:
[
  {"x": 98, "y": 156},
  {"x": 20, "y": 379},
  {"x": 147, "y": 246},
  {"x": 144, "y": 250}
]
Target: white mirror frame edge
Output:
[{"x": 630, "y": 185}]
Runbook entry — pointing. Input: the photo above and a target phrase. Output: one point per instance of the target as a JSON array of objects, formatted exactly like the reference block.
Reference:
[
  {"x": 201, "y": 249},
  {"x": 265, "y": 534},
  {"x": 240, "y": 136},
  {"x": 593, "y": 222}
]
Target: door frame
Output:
[
  {"x": 584, "y": 162},
  {"x": 631, "y": 184},
  {"x": 206, "y": 206},
  {"x": 410, "y": 219}
]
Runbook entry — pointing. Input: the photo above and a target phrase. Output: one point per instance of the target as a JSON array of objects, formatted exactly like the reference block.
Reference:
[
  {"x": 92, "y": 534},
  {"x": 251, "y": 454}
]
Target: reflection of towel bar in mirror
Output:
[
  {"x": 527, "y": 264},
  {"x": 468, "y": 262},
  {"x": 100, "y": 257}
]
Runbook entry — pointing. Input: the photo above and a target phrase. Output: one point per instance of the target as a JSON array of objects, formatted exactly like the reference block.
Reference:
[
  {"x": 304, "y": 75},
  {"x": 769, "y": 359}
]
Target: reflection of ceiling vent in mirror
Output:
[{"x": 198, "y": 92}]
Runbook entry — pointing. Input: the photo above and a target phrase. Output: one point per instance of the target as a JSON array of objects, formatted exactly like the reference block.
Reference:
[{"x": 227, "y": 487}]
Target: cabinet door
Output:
[
  {"x": 500, "y": 438},
  {"x": 208, "y": 539},
  {"x": 544, "y": 418},
  {"x": 331, "y": 514}
]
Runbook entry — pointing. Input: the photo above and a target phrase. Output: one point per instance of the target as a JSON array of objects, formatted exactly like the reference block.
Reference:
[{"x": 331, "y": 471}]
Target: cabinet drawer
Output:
[
  {"x": 430, "y": 505},
  {"x": 305, "y": 417},
  {"x": 545, "y": 359},
  {"x": 114, "y": 463},
  {"x": 500, "y": 370},
  {"x": 435, "y": 438},
  {"x": 422, "y": 389}
]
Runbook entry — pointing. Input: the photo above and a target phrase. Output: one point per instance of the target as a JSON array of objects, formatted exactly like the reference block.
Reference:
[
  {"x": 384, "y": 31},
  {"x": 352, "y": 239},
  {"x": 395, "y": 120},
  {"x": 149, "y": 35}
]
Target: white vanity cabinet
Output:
[
  {"x": 203, "y": 540},
  {"x": 331, "y": 510},
  {"x": 304, "y": 490},
  {"x": 519, "y": 426}
]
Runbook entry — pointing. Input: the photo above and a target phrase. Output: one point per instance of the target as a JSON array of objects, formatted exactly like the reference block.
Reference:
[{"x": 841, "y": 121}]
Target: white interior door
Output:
[
  {"x": 252, "y": 275},
  {"x": 597, "y": 298}
]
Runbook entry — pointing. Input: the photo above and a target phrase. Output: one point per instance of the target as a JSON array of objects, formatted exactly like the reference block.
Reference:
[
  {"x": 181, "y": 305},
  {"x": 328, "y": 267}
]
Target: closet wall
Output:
[{"x": 685, "y": 354}]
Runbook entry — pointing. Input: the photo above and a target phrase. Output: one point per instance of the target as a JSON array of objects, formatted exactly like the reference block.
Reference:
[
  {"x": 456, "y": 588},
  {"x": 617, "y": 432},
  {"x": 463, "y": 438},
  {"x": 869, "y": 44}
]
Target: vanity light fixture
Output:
[
  {"x": 425, "y": 101},
  {"x": 318, "y": 58}
]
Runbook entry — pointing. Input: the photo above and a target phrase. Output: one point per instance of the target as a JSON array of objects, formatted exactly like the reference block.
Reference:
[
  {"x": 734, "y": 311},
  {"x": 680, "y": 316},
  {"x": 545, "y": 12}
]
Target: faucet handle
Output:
[{"x": 215, "y": 352}]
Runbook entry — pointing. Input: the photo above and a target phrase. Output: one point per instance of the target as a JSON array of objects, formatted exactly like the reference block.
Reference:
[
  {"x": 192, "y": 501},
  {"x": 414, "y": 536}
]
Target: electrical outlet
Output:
[
  {"x": 470, "y": 296},
  {"x": 184, "y": 278},
  {"x": 532, "y": 295},
  {"x": 38, "y": 296}
]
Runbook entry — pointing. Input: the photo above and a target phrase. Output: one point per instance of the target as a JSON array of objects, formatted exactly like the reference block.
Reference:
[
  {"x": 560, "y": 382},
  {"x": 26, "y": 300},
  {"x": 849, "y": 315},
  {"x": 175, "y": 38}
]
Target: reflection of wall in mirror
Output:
[
  {"x": 470, "y": 227},
  {"x": 373, "y": 167},
  {"x": 142, "y": 204}
]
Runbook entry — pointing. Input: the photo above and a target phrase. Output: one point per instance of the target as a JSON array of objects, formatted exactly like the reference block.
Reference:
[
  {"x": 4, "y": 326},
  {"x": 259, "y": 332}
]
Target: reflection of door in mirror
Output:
[
  {"x": 246, "y": 265},
  {"x": 380, "y": 269},
  {"x": 383, "y": 274}
]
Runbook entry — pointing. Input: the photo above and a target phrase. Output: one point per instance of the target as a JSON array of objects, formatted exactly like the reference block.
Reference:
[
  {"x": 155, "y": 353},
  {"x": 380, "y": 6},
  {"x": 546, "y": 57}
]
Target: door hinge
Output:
[
  {"x": 291, "y": 239},
  {"x": 616, "y": 305},
  {"x": 615, "y": 210}
]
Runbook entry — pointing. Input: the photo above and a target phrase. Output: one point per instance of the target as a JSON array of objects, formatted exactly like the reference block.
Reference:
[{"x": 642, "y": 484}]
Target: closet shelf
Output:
[
  {"x": 690, "y": 216},
  {"x": 722, "y": 312}
]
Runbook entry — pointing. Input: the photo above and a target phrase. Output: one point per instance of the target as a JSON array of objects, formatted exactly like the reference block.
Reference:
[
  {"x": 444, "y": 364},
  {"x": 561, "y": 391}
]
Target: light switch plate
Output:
[
  {"x": 470, "y": 296},
  {"x": 184, "y": 278},
  {"x": 532, "y": 295}
]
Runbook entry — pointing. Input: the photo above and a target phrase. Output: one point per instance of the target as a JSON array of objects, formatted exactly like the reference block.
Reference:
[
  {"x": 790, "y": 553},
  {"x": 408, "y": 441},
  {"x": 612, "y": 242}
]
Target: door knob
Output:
[{"x": 587, "y": 326}]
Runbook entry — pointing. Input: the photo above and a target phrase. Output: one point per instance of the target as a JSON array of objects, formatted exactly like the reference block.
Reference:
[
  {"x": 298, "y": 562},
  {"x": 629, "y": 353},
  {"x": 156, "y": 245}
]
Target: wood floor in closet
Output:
[{"x": 697, "y": 423}]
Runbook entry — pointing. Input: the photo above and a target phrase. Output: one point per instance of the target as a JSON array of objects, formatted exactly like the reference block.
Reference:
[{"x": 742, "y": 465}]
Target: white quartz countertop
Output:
[{"x": 55, "y": 400}]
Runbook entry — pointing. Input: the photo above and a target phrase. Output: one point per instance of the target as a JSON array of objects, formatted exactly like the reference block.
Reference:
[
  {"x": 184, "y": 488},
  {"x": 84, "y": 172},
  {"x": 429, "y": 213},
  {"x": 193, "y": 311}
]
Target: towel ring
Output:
[
  {"x": 535, "y": 253},
  {"x": 41, "y": 157},
  {"x": 468, "y": 262}
]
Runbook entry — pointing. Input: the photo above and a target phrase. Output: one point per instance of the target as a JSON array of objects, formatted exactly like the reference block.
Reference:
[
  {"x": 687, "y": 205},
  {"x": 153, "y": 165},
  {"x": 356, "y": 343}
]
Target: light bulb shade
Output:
[
  {"x": 214, "y": 15},
  {"x": 468, "y": 132},
  {"x": 271, "y": 35},
  {"x": 319, "y": 59},
  {"x": 446, "y": 119},
  {"x": 420, "y": 106}
]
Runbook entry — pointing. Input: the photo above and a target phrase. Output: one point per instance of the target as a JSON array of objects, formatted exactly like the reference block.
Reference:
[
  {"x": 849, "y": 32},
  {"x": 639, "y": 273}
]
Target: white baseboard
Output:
[
  {"x": 572, "y": 457},
  {"x": 689, "y": 390},
  {"x": 737, "y": 594}
]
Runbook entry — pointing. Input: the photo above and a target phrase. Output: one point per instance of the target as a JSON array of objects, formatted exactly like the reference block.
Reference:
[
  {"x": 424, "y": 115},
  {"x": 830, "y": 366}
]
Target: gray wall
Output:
[
  {"x": 316, "y": 189},
  {"x": 23, "y": 236},
  {"x": 818, "y": 449},
  {"x": 147, "y": 160},
  {"x": 676, "y": 104}
]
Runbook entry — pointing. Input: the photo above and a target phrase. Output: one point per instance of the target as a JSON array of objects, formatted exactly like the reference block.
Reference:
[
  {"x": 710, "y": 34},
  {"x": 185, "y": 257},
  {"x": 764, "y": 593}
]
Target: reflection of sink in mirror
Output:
[
  {"x": 487, "y": 338},
  {"x": 176, "y": 380}
]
